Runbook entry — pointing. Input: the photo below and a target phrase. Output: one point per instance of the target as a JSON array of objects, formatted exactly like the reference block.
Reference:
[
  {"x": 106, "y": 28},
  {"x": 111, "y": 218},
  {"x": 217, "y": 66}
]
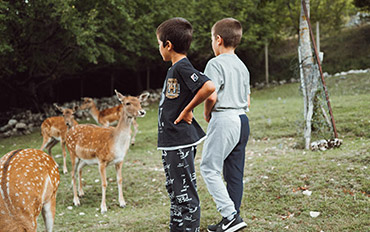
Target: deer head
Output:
[
  {"x": 132, "y": 105},
  {"x": 87, "y": 103},
  {"x": 68, "y": 114}
]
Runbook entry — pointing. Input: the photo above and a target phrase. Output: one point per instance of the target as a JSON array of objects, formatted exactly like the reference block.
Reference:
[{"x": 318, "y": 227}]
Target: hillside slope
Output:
[{"x": 349, "y": 49}]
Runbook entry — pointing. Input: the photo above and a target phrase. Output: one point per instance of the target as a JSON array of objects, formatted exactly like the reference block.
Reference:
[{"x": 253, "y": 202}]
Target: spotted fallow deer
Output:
[
  {"x": 91, "y": 144},
  {"x": 29, "y": 180},
  {"x": 107, "y": 116},
  {"x": 54, "y": 130}
]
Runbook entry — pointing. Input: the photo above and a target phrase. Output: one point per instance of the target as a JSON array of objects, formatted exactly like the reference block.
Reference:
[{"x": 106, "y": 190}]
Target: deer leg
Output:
[
  {"x": 81, "y": 164},
  {"x": 48, "y": 208},
  {"x": 102, "y": 170},
  {"x": 136, "y": 126},
  {"x": 48, "y": 216},
  {"x": 52, "y": 142},
  {"x": 65, "y": 170},
  {"x": 122, "y": 202},
  {"x": 48, "y": 213},
  {"x": 45, "y": 141},
  {"x": 74, "y": 160}
]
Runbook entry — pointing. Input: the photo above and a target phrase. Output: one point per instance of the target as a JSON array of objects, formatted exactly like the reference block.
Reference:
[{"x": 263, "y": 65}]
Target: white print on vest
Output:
[
  {"x": 183, "y": 198},
  {"x": 194, "y": 77}
]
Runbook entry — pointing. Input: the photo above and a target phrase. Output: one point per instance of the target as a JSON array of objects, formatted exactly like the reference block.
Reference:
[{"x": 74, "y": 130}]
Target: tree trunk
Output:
[
  {"x": 267, "y": 62},
  {"x": 309, "y": 73}
]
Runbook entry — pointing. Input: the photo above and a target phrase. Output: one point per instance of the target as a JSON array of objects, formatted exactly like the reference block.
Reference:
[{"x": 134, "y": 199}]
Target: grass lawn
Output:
[{"x": 276, "y": 171}]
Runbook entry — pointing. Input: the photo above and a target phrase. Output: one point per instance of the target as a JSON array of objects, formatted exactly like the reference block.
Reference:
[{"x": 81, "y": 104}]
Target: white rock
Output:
[
  {"x": 314, "y": 214},
  {"x": 12, "y": 122},
  {"x": 21, "y": 125},
  {"x": 307, "y": 192}
]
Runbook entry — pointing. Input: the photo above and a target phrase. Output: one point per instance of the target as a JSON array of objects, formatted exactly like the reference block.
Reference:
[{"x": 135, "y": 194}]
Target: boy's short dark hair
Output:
[
  {"x": 177, "y": 30},
  {"x": 230, "y": 30}
]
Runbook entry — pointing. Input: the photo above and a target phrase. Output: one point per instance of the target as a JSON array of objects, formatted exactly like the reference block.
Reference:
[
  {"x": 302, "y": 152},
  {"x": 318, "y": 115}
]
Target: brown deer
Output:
[
  {"x": 54, "y": 129},
  {"x": 90, "y": 144},
  {"x": 29, "y": 180},
  {"x": 107, "y": 116}
]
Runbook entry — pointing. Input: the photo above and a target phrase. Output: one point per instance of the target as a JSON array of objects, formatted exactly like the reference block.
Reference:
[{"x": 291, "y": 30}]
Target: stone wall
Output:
[{"x": 26, "y": 122}]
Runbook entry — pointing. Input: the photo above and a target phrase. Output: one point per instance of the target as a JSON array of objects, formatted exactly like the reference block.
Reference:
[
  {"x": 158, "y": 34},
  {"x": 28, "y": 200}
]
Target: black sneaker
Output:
[{"x": 225, "y": 225}]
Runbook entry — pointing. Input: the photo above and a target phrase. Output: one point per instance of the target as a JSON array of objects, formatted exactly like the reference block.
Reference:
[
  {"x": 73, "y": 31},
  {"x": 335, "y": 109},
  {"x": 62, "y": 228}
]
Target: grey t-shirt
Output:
[{"x": 231, "y": 78}]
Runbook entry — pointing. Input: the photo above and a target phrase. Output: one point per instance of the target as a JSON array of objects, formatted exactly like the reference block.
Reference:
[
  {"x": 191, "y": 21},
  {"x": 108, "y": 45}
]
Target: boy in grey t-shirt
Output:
[{"x": 228, "y": 129}]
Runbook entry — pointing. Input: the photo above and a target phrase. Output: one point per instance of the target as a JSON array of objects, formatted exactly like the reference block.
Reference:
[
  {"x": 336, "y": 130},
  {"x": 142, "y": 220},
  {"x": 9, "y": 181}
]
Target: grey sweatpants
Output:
[{"x": 224, "y": 153}]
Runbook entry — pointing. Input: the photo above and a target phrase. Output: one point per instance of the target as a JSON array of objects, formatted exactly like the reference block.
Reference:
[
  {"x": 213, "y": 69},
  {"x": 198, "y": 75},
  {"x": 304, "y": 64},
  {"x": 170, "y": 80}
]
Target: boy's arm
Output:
[
  {"x": 249, "y": 100},
  {"x": 203, "y": 93},
  {"x": 208, "y": 106}
]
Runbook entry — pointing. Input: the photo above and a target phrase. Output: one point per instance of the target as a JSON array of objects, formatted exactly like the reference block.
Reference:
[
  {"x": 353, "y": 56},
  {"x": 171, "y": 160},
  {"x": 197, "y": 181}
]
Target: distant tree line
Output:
[{"x": 56, "y": 50}]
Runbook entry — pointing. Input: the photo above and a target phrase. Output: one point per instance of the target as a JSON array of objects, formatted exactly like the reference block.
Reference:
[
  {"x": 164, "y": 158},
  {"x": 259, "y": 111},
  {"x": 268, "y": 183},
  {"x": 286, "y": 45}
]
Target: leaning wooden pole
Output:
[{"x": 320, "y": 69}]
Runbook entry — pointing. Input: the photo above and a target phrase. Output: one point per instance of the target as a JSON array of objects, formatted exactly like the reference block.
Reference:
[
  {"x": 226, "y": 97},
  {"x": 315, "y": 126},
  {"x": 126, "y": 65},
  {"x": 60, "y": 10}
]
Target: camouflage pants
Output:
[{"x": 182, "y": 189}]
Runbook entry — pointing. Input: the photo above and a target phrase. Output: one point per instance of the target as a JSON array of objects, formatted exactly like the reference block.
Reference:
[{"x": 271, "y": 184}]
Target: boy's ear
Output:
[
  {"x": 170, "y": 45},
  {"x": 219, "y": 40}
]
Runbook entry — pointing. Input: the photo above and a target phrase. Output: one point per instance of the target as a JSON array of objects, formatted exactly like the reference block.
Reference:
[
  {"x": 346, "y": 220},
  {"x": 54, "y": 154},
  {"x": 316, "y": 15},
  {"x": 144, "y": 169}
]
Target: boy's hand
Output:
[
  {"x": 207, "y": 117},
  {"x": 208, "y": 106},
  {"x": 187, "y": 116}
]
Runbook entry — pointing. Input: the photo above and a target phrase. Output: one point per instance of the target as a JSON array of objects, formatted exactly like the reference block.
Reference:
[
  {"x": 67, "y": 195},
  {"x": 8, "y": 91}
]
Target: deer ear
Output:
[
  {"x": 119, "y": 96},
  {"x": 58, "y": 107},
  {"x": 144, "y": 96}
]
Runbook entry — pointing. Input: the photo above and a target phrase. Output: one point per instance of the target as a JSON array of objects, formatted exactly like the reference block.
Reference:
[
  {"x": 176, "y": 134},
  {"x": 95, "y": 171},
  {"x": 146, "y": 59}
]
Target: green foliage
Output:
[
  {"x": 362, "y": 4},
  {"x": 330, "y": 14},
  {"x": 46, "y": 42}
]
